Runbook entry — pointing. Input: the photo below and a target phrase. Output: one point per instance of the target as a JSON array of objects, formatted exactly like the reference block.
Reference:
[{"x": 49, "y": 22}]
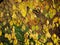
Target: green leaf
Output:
[
  {"x": 33, "y": 27},
  {"x": 19, "y": 33},
  {"x": 27, "y": 29},
  {"x": 9, "y": 31},
  {"x": 39, "y": 36},
  {"x": 6, "y": 44}
]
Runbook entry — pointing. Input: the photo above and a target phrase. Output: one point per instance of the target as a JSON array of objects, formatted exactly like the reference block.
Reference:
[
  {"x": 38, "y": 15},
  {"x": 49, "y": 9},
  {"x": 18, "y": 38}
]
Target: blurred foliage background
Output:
[{"x": 30, "y": 22}]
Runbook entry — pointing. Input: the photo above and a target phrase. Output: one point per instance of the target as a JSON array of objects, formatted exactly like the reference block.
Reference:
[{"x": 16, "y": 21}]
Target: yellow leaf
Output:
[
  {"x": 32, "y": 43},
  {"x": 32, "y": 17},
  {"x": 14, "y": 7},
  {"x": 17, "y": 0},
  {"x": 48, "y": 35},
  {"x": 27, "y": 42},
  {"x": 45, "y": 28},
  {"x": 53, "y": 25},
  {"x": 59, "y": 20},
  {"x": 14, "y": 15},
  {"x": 23, "y": 9},
  {"x": 13, "y": 29},
  {"x": 23, "y": 27},
  {"x": 54, "y": 35},
  {"x": 38, "y": 43},
  {"x": 54, "y": 38},
  {"x": 0, "y": 33},
  {"x": 4, "y": 22},
  {"x": 1, "y": 43},
  {"x": 49, "y": 43},
  {"x": 14, "y": 22},
  {"x": 57, "y": 24},
  {"x": 6, "y": 35},
  {"x": 47, "y": 7},
  {"x": 35, "y": 36},
  {"x": 18, "y": 24},
  {"x": 30, "y": 4},
  {"x": 23, "y": 12},
  {"x": 9, "y": 37},
  {"x": 47, "y": 21},
  {"x": 26, "y": 20},
  {"x": 52, "y": 12},
  {"x": 15, "y": 42},
  {"x": 55, "y": 19},
  {"x": 55, "y": 41},
  {"x": 13, "y": 36},
  {"x": 11, "y": 22},
  {"x": 37, "y": 27},
  {"x": 1, "y": 15}
]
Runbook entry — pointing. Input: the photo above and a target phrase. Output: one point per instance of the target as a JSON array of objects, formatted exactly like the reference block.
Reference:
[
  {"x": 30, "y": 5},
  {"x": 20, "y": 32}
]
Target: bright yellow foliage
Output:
[
  {"x": 23, "y": 9},
  {"x": 14, "y": 15},
  {"x": 49, "y": 43},
  {"x": 0, "y": 33},
  {"x": 55, "y": 19},
  {"x": 1, "y": 43}
]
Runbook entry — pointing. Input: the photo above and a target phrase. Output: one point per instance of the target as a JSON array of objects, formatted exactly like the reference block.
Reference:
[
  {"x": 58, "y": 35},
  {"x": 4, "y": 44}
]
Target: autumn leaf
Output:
[
  {"x": 55, "y": 19},
  {"x": 52, "y": 12},
  {"x": 14, "y": 15},
  {"x": 22, "y": 8},
  {"x": 37, "y": 27}
]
